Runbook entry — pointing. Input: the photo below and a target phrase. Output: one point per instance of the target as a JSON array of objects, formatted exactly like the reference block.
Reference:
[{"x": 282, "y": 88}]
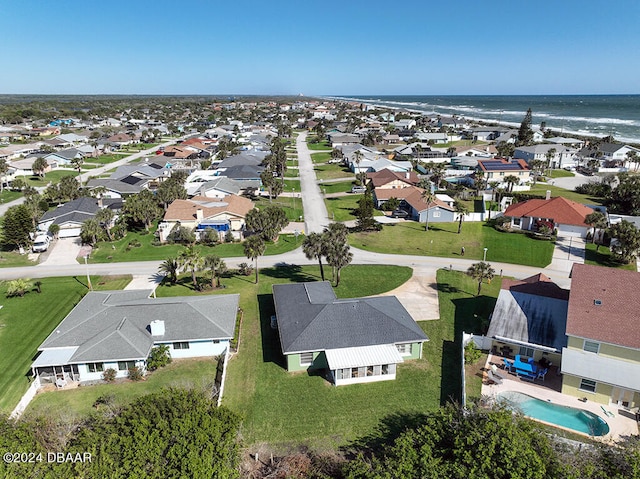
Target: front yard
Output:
[
  {"x": 409, "y": 237},
  {"x": 25, "y": 322},
  {"x": 603, "y": 257},
  {"x": 330, "y": 171},
  {"x": 341, "y": 208}
]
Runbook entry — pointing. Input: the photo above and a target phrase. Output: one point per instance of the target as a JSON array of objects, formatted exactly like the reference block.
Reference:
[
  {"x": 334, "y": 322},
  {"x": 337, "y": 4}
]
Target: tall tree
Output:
[
  {"x": 39, "y": 166},
  {"x": 4, "y": 168},
  {"x": 216, "y": 267},
  {"x": 511, "y": 180},
  {"x": 525, "y": 133},
  {"x": 142, "y": 208},
  {"x": 462, "y": 210},
  {"x": 170, "y": 190},
  {"x": 481, "y": 271},
  {"x": 267, "y": 221},
  {"x": 90, "y": 231},
  {"x": 77, "y": 164},
  {"x": 16, "y": 226},
  {"x": 254, "y": 247},
  {"x": 428, "y": 197},
  {"x": 104, "y": 217},
  {"x": 364, "y": 213},
  {"x": 598, "y": 221},
  {"x": 68, "y": 188},
  {"x": 313, "y": 248},
  {"x": 339, "y": 256},
  {"x": 190, "y": 259},
  {"x": 633, "y": 157},
  {"x": 550, "y": 155},
  {"x": 170, "y": 267},
  {"x": 627, "y": 243}
]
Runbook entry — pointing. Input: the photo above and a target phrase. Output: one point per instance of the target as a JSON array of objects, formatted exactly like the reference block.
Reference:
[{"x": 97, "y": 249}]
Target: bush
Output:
[
  {"x": 594, "y": 189},
  {"x": 209, "y": 236},
  {"x": 471, "y": 353},
  {"x": 159, "y": 357},
  {"x": 105, "y": 399},
  {"x": 135, "y": 373},
  {"x": 109, "y": 375},
  {"x": 228, "y": 238},
  {"x": 245, "y": 269}
]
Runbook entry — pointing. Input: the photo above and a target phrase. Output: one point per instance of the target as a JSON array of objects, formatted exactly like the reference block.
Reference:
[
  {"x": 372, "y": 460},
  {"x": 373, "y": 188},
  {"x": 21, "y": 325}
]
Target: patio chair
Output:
[
  {"x": 496, "y": 378},
  {"x": 508, "y": 365},
  {"x": 542, "y": 373}
]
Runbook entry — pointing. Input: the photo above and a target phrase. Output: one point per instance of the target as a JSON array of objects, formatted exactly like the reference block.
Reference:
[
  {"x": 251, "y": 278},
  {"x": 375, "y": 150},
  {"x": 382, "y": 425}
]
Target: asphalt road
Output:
[{"x": 315, "y": 211}]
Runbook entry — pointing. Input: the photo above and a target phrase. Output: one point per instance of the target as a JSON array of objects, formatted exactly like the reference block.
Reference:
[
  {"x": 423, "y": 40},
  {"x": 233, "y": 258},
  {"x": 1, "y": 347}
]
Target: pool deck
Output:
[{"x": 622, "y": 424}]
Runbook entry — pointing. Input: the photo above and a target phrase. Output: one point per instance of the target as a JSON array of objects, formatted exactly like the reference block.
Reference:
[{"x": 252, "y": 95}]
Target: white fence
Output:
[{"x": 26, "y": 399}]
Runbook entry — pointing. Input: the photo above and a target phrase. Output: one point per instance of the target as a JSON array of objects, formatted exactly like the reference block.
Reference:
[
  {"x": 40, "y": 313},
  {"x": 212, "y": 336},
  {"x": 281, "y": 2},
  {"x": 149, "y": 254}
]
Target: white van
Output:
[{"x": 41, "y": 243}]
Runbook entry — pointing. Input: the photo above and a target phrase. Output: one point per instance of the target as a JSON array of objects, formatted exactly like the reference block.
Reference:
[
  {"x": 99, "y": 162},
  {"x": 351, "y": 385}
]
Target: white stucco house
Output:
[{"x": 117, "y": 330}]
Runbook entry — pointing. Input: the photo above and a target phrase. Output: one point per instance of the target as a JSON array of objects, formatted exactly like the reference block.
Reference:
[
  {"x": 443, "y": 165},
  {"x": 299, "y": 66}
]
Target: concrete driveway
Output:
[
  {"x": 62, "y": 251},
  {"x": 568, "y": 250}
]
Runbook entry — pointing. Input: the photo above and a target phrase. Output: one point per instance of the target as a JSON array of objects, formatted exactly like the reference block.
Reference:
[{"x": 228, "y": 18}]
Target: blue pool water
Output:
[{"x": 571, "y": 418}]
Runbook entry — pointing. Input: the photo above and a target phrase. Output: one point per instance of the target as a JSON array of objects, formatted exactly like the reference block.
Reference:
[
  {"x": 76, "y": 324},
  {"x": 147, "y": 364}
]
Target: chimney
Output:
[
  {"x": 100, "y": 203},
  {"x": 407, "y": 174},
  {"x": 199, "y": 214},
  {"x": 157, "y": 327},
  {"x": 548, "y": 197}
]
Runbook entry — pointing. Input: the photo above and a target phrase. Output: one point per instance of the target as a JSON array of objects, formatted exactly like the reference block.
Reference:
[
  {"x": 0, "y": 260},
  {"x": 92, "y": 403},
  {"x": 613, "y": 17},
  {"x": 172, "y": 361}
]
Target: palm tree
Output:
[
  {"x": 313, "y": 247},
  {"x": 170, "y": 267},
  {"x": 90, "y": 231},
  {"x": 4, "y": 168},
  {"x": 253, "y": 248},
  {"x": 481, "y": 271},
  {"x": 216, "y": 266},
  {"x": 39, "y": 166},
  {"x": 77, "y": 164},
  {"x": 550, "y": 155},
  {"x": 462, "y": 210},
  {"x": 357, "y": 158},
  {"x": 511, "y": 180},
  {"x": 428, "y": 197},
  {"x": 190, "y": 259},
  {"x": 632, "y": 157},
  {"x": 338, "y": 257},
  {"x": 598, "y": 220},
  {"x": 18, "y": 287},
  {"x": 104, "y": 217}
]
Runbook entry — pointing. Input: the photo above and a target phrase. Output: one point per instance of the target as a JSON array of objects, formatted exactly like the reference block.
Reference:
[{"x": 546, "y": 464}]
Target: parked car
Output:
[
  {"x": 358, "y": 189},
  {"x": 399, "y": 214},
  {"x": 41, "y": 243}
]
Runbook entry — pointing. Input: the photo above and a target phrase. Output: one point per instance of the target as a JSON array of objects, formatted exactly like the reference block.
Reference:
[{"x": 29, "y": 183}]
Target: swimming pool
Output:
[{"x": 564, "y": 416}]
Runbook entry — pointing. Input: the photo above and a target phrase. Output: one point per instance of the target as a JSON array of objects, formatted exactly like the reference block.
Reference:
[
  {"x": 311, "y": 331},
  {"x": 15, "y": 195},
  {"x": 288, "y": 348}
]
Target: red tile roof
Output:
[
  {"x": 615, "y": 319},
  {"x": 415, "y": 200},
  {"x": 384, "y": 176},
  {"x": 559, "y": 209}
]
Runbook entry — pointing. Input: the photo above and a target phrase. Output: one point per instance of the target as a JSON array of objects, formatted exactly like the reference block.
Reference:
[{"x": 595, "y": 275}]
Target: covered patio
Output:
[
  {"x": 52, "y": 367},
  {"x": 363, "y": 364}
]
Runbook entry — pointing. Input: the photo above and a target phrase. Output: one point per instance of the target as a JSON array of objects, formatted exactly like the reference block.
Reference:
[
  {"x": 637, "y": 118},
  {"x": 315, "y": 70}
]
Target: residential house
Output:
[
  {"x": 530, "y": 318},
  {"x": 565, "y": 141},
  {"x": 484, "y": 151},
  {"x": 567, "y": 216},
  {"x": 207, "y": 183},
  {"x": 558, "y": 156},
  {"x": 390, "y": 179},
  {"x": 64, "y": 157},
  {"x": 133, "y": 178},
  {"x": 70, "y": 216},
  {"x": 354, "y": 340},
  {"x": 432, "y": 138},
  {"x": 340, "y": 139},
  {"x": 117, "y": 330},
  {"x": 601, "y": 361},
  {"x": 498, "y": 169},
  {"x": 615, "y": 152},
  {"x": 200, "y": 212}
]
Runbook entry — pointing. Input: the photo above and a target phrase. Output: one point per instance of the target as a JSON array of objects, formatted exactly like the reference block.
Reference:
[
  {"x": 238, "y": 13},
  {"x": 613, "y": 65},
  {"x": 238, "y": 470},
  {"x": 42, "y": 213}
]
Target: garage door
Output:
[{"x": 68, "y": 232}]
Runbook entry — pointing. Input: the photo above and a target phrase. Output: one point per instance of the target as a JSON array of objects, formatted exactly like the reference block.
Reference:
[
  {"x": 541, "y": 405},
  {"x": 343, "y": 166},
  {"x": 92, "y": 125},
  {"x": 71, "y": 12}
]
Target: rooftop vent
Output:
[
  {"x": 597, "y": 302},
  {"x": 157, "y": 327}
]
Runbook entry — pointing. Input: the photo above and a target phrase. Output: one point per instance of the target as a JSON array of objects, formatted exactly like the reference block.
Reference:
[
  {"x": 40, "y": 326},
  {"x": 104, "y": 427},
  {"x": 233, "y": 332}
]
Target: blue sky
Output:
[{"x": 349, "y": 47}]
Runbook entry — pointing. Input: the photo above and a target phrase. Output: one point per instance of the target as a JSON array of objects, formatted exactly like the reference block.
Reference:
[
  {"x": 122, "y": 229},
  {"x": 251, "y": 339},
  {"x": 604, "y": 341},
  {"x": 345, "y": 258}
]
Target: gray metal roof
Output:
[
  {"x": 310, "y": 318},
  {"x": 530, "y": 318},
  {"x": 114, "y": 325}
]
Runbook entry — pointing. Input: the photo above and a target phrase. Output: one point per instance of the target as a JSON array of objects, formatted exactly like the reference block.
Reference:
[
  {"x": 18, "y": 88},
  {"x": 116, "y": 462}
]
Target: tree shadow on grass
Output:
[
  {"x": 292, "y": 272},
  {"x": 471, "y": 316},
  {"x": 271, "y": 351},
  {"x": 388, "y": 429}
]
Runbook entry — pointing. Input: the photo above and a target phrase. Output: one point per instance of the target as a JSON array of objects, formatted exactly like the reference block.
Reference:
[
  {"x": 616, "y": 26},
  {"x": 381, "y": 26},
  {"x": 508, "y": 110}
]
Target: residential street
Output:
[{"x": 315, "y": 211}]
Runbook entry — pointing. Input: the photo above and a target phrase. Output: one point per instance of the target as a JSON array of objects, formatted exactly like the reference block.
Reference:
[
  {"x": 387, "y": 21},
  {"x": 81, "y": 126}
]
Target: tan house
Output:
[
  {"x": 200, "y": 212},
  {"x": 389, "y": 179},
  {"x": 601, "y": 361}
]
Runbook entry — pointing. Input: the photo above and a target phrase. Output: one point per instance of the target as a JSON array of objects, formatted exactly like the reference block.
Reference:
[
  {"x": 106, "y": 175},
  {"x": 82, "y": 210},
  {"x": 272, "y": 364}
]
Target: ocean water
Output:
[{"x": 587, "y": 115}]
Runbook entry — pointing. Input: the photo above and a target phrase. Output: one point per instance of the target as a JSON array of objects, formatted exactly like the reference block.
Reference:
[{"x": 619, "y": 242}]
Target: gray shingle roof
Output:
[
  {"x": 310, "y": 318},
  {"x": 114, "y": 325},
  {"x": 77, "y": 210}
]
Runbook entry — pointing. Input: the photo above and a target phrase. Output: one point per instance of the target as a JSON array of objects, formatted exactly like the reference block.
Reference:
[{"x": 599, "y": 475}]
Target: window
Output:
[
  {"x": 385, "y": 369},
  {"x": 516, "y": 221},
  {"x": 404, "y": 348},
  {"x": 183, "y": 345},
  {"x": 591, "y": 346},
  {"x": 95, "y": 367},
  {"x": 354, "y": 373},
  {"x": 436, "y": 214},
  {"x": 306, "y": 358},
  {"x": 126, "y": 365},
  {"x": 524, "y": 351},
  {"x": 588, "y": 385}
]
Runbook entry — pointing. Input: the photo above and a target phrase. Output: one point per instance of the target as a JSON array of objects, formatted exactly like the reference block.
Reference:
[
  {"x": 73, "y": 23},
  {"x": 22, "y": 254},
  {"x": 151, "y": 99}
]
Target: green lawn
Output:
[
  {"x": 291, "y": 173},
  {"x": 118, "y": 251},
  {"x": 541, "y": 189},
  {"x": 292, "y": 185},
  {"x": 10, "y": 259},
  {"x": 319, "y": 146},
  {"x": 8, "y": 195},
  {"x": 104, "y": 159},
  {"x": 52, "y": 176},
  {"x": 321, "y": 157},
  {"x": 291, "y": 206},
  {"x": 561, "y": 174},
  {"x": 603, "y": 257},
  {"x": 343, "y": 186},
  {"x": 341, "y": 208},
  {"x": 328, "y": 172},
  {"x": 442, "y": 240},
  {"x": 25, "y": 322}
]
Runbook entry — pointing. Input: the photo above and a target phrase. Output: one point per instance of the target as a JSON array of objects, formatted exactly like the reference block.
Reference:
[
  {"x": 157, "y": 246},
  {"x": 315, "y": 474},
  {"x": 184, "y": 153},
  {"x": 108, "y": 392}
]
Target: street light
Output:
[
  {"x": 88, "y": 277},
  {"x": 484, "y": 257}
]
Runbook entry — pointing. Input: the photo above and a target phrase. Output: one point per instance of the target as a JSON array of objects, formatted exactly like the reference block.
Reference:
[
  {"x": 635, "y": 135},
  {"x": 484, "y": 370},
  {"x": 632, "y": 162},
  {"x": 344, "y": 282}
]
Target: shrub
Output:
[
  {"x": 159, "y": 357},
  {"x": 109, "y": 375},
  {"x": 209, "y": 236},
  {"x": 135, "y": 373},
  {"x": 228, "y": 238},
  {"x": 471, "y": 353},
  {"x": 245, "y": 269},
  {"x": 105, "y": 399}
]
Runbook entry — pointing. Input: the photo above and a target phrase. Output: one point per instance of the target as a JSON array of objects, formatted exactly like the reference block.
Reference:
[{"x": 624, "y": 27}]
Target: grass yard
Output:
[
  {"x": 341, "y": 208},
  {"x": 8, "y": 195},
  {"x": 10, "y": 259},
  {"x": 324, "y": 145},
  {"x": 343, "y": 186},
  {"x": 331, "y": 171},
  {"x": 104, "y": 159},
  {"x": 291, "y": 173},
  {"x": 603, "y": 257},
  {"x": 320, "y": 157},
  {"x": 27, "y": 321},
  {"x": 541, "y": 189},
  {"x": 291, "y": 206},
  {"x": 52, "y": 176},
  {"x": 292, "y": 185},
  {"x": 562, "y": 174},
  {"x": 442, "y": 240},
  {"x": 118, "y": 251}
]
